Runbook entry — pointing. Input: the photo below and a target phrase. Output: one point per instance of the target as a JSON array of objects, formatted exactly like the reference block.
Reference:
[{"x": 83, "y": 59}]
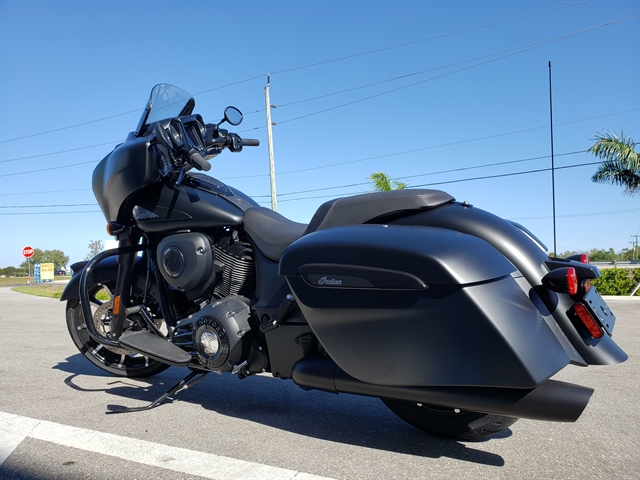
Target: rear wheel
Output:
[
  {"x": 449, "y": 422},
  {"x": 115, "y": 360}
]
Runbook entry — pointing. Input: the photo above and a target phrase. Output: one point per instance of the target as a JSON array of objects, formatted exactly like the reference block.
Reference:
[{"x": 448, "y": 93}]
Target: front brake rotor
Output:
[{"x": 102, "y": 321}]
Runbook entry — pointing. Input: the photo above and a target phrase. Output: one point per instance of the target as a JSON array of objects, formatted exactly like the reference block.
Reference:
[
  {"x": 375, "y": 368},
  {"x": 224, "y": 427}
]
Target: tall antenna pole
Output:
[
  {"x": 272, "y": 168},
  {"x": 553, "y": 169}
]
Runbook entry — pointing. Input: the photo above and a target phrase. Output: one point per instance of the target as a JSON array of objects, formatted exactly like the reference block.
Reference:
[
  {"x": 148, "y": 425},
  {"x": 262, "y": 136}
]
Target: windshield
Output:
[{"x": 166, "y": 101}]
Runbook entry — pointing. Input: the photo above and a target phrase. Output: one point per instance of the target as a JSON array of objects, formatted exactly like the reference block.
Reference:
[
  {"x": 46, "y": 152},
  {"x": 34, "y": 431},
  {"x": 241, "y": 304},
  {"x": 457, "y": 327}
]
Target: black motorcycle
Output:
[{"x": 455, "y": 318}]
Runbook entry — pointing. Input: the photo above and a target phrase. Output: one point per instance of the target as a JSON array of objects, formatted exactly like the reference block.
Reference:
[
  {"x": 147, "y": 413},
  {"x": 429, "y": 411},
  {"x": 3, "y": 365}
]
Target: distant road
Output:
[{"x": 625, "y": 264}]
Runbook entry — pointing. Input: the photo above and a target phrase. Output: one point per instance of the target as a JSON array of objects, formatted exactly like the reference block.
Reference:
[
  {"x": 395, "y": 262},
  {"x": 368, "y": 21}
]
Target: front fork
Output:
[
  {"x": 127, "y": 251},
  {"x": 122, "y": 293}
]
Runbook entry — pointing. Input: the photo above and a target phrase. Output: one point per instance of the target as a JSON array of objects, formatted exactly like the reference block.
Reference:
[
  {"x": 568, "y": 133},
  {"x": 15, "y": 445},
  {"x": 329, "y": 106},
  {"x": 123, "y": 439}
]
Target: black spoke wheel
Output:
[
  {"x": 449, "y": 422},
  {"x": 115, "y": 360}
]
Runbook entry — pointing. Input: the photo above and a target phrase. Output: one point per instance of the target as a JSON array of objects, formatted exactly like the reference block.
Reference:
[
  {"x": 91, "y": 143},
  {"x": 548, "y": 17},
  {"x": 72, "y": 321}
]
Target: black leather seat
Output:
[{"x": 272, "y": 233}]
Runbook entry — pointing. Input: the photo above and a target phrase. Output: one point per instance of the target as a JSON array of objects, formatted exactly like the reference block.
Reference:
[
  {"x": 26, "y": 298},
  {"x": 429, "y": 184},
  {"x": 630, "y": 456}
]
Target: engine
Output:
[
  {"x": 192, "y": 264},
  {"x": 186, "y": 261},
  {"x": 218, "y": 273},
  {"x": 218, "y": 334}
]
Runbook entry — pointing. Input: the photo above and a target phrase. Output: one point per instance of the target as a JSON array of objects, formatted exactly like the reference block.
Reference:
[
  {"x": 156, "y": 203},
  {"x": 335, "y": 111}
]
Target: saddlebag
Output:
[{"x": 420, "y": 306}]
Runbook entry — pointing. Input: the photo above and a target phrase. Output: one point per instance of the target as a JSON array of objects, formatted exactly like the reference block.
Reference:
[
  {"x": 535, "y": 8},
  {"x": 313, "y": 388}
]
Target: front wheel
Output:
[
  {"x": 115, "y": 360},
  {"x": 449, "y": 422}
]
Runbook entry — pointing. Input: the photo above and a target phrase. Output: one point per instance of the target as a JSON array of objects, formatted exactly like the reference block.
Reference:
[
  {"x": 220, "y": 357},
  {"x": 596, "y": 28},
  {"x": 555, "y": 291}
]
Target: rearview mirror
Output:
[{"x": 233, "y": 116}]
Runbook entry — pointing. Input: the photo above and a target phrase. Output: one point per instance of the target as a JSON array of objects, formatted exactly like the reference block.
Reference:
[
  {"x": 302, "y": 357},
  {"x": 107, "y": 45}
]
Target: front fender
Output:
[{"x": 107, "y": 272}]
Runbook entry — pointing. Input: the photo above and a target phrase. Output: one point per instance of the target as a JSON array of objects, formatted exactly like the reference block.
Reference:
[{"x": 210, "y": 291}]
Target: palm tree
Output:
[
  {"x": 620, "y": 164},
  {"x": 383, "y": 183}
]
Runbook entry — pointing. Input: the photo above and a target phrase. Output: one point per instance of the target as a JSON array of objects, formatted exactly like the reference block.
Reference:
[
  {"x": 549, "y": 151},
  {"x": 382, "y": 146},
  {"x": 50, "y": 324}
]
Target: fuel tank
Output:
[
  {"x": 165, "y": 207},
  {"x": 419, "y": 306}
]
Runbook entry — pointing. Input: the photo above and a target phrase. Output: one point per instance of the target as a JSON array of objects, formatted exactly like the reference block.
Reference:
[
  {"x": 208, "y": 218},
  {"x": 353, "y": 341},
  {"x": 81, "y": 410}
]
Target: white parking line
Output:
[{"x": 15, "y": 428}]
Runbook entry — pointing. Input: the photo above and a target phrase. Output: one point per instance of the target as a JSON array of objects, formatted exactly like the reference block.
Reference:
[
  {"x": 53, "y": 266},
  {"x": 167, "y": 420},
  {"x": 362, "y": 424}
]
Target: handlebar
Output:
[
  {"x": 198, "y": 161},
  {"x": 231, "y": 140}
]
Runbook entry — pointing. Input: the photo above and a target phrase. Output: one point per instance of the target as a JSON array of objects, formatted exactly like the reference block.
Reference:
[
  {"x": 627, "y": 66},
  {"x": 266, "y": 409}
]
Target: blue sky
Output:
[{"x": 433, "y": 93}]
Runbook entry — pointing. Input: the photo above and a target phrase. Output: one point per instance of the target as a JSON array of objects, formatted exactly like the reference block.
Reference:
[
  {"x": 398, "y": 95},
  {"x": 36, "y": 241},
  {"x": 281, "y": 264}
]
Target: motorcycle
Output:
[{"x": 455, "y": 318}]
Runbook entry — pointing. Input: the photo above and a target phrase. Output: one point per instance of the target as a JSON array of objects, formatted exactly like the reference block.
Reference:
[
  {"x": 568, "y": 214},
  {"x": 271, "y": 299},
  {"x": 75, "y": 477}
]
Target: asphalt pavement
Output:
[{"x": 53, "y": 422}]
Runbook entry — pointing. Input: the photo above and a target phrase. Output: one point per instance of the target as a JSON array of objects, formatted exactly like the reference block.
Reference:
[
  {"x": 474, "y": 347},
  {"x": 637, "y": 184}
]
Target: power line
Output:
[
  {"x": 47, "y": 192},
  {"x": 50, "y": 213},
  {"x": 290, "y": 172},
  {"x": 121, "y": 114},
  {"x": 47, "y": 169},
  {"x": 349, "y": 185},
  {"x": 431, "y": 147},
  {"x": 61, "y": 151},
  {"x": 50, "y": 206},
  {"x": 461, "y": 169},
  {"x": 359, "y": 87},
  {"x": 436, "y": 37},
  {"x": 311, "y": 65},
  {"x": 592, "y": 214},
  {"x": 519, "y": 50},
  {"x": 501, "y": 175},
  {"x": 534, "y": 46},
  {"x": 486, "y": 177}
]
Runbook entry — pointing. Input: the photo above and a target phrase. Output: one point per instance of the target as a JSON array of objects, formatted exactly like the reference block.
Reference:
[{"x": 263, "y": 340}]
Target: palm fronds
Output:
[{"x": 620, "y": 163}]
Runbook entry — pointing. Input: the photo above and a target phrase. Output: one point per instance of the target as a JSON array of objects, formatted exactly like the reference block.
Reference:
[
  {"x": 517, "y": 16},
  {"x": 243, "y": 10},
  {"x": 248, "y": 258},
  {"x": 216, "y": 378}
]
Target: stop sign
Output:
[{"x": 27, "y": 252}]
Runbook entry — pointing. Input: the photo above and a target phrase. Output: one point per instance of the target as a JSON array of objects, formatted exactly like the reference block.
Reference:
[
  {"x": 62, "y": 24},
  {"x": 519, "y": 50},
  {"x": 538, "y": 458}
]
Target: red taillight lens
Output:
[
  {"x": 562, "y": 280},
  {"x": 585, "y": 317},
  {"x": 572, "y": 281},
  {"x": 581, "y": 257}
]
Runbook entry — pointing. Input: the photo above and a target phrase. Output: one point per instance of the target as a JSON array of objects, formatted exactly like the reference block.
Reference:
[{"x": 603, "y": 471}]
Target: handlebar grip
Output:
[
  {"x": 198, "y": 161},
  {"x": 250, "y": 142}
]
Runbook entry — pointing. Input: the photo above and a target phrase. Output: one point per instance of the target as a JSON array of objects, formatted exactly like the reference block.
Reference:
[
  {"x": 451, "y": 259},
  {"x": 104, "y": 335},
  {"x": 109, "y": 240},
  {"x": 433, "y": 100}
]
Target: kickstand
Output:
[{"x": 186, "y": 382}]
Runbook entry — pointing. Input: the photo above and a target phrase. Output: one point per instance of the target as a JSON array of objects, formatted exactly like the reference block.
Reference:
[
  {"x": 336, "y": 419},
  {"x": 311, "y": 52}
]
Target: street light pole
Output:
[{"x": 553, "y": 170}]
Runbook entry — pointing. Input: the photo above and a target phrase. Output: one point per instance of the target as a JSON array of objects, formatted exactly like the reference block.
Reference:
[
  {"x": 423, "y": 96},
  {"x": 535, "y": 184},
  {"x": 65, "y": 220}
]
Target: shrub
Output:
[{"x": 617, "y": 281}]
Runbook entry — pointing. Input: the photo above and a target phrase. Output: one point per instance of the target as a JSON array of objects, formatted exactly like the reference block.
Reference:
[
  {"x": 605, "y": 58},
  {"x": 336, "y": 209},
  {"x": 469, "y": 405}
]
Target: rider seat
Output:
[{"x": 272, "y": 233}]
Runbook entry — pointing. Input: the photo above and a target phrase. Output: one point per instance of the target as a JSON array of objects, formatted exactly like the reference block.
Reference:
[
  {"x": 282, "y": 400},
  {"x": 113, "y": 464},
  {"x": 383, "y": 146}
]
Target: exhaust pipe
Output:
[{"x": 552, "y": 400}]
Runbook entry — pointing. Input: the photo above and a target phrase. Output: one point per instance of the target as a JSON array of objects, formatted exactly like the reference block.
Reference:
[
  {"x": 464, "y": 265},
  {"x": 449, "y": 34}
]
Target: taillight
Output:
[
  {"x": 581, "y": 257},
  {"x": 587, "y": 319},
  {"x": 572, "y": 281},
  {"x": 562, "y": 280}
]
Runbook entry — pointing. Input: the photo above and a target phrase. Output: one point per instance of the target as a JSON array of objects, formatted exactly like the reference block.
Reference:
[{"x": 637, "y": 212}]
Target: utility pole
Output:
[
  {"x": 634, "y": 245},
  {"x": 272, "y": 168}
]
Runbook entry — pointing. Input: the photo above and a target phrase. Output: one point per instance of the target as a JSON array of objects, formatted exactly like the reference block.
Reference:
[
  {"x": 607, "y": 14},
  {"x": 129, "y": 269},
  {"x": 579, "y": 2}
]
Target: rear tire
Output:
[
  {"x": 449, "y": 422},
  {"x": 117, "y": 361}
]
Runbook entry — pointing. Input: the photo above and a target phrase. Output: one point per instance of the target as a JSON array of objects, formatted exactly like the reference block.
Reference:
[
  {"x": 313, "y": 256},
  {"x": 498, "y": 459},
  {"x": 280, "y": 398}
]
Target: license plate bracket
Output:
[{"x": 600, "y": 310}]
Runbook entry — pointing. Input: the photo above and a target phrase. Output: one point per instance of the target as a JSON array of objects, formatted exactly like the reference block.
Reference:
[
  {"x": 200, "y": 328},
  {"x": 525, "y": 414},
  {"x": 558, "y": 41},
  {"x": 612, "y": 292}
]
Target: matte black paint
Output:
[{"x": 530, "y": 260}]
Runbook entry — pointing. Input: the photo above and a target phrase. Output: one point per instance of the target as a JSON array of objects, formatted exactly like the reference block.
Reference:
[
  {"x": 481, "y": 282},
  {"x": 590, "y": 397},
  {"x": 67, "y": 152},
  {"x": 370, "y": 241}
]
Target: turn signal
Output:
[
  {"x": 562, "y": 280},
  {"x": 587, "y": 319},
  {"x": 116, "y": 305},
  {"x": 114, "y": 228}
]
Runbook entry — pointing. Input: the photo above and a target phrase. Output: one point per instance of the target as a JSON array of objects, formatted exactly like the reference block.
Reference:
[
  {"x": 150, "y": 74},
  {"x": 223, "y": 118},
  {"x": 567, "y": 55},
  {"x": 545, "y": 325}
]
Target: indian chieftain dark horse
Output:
[{"x": 455, "y": 318}]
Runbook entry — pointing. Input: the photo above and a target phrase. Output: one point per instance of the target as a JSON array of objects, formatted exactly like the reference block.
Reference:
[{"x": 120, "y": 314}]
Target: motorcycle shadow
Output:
[{"x": 262, "y": 399}]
